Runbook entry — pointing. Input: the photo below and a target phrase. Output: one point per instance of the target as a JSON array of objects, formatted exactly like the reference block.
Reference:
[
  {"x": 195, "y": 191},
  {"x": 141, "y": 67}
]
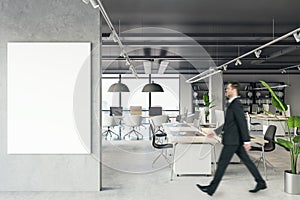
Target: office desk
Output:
[
  {"x": 192, "y": 150},
  {"x": 267, "y": 120}
]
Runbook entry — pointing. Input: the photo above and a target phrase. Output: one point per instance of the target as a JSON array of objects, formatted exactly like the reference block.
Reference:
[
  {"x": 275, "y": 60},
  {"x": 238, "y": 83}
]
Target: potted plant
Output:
[
  {"x": 207, "y": 104},
  {"x": 291, "y": 144}
]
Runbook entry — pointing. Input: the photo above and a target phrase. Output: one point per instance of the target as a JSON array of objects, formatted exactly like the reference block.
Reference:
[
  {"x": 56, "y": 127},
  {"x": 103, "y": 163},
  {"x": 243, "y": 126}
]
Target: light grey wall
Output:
[
  {"x": 48, "y": 21},
  {"x": 216, "y": 93},
  {"x": 185, "y": 90}
]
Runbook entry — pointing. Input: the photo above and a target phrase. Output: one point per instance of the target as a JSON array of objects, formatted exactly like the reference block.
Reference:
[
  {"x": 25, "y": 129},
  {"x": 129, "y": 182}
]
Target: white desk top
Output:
[
  {"x": 185, "y": 133},
  {"x": 268, "y": 117}
]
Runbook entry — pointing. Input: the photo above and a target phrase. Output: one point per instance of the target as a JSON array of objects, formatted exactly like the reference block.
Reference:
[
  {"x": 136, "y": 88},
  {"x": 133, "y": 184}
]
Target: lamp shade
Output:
[
  {"x": 152, "y": 87},
  {"x": 118, "y": 87}
]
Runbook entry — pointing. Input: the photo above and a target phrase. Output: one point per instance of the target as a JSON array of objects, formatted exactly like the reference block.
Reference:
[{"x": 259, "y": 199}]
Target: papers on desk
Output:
[
  {"x": 182, "y": 129},
  {"x": 181, "y": 133}
]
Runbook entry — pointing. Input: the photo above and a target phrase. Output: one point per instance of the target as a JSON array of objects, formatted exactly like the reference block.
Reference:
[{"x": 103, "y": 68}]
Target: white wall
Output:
[
  {"x": 185, "y": 91},
  {"x": 48, "y": 21}
]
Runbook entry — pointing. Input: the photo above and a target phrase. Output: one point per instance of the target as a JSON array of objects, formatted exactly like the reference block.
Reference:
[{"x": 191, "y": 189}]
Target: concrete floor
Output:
[{"x": 128, "y": 174}]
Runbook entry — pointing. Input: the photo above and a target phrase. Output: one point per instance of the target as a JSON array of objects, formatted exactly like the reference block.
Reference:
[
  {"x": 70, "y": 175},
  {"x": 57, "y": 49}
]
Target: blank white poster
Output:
[{"x": 49, "y": 98}]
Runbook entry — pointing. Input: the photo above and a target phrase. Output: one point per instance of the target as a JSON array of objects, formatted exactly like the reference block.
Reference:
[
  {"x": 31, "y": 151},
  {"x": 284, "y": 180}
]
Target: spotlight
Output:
[
  {"x": 86, "y": 1},
  {"x": 94, "y": 3},
  {"x": 238, "y": 62},
  {"x": 283, "y": 71},
  {"x": 298, "y": 67},
  {"x": 113, "y": 37},
  {"x": 127, "y": 62},
  {"x": 257, "y": 53},
  {"x": 123, "y": 54},
  {"x": 225, "y": 67},
  {"x": 297, "y": 36}
]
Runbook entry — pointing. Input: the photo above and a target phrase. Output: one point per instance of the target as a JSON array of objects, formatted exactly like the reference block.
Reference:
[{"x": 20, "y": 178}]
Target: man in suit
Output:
[{"x": 235, "y": 139}]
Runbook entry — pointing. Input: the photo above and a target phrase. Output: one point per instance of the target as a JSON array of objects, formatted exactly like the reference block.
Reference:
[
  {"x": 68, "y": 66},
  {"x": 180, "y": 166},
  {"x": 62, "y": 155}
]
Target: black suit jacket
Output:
[{"x": 235, "y": 127}]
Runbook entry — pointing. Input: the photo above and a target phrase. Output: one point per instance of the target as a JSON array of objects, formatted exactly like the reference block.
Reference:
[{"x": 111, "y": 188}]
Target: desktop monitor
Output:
[
  {"x": 254, "y": 108},
  {"x": 272, "y": 109},
  {"x": 154, "y": 111},
  {"x": 116, "y": 111}
]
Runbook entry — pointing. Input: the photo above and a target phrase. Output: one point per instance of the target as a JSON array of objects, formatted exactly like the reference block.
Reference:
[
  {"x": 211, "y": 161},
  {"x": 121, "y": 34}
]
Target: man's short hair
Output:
[{"x": 235, "y": 85}]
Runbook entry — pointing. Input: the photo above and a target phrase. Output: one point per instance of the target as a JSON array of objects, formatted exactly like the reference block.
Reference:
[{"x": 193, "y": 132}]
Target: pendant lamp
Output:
[
  {"x": 118, "y": 87},
  {"x": 152, "y": 87}
]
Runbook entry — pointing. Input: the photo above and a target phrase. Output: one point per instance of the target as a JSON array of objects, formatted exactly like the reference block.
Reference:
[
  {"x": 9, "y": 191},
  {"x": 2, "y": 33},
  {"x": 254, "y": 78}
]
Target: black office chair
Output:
[
  {"x": 162, "y": 147},
  {"x": 267, "y": 147}
]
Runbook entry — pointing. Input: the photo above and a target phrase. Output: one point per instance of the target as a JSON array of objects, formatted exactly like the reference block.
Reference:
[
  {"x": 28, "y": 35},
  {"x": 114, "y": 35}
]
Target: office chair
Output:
[
  {"x": 116, "y": 111},
  {"x": 133, "y": 121},
  {"x": 136, "y": 110},
  {"x": 267, "y": 147},
  {"x": 157, "y": 123},
  {"x": 154, "y": 111},
  {"x": 109, "y": 122},
  {"x": 162, "y": 147}
]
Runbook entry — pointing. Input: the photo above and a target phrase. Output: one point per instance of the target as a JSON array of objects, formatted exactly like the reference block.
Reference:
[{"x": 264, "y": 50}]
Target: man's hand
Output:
[
  {"x": 211, "y": 135},
  {"x": 247, "y": 147}
]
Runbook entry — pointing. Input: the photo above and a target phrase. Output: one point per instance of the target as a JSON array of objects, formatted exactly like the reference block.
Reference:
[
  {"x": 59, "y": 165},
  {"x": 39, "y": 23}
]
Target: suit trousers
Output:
[{"x": 224, "y": 160}]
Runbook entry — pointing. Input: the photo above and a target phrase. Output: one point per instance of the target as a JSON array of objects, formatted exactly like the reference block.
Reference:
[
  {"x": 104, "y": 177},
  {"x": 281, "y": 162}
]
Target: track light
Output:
[
  {"x": 123, "y": 54},
  {"x": 94, "y": 3},
  {"x": 113, "y": 37},
  {"x": 298, "y": 67},
  {"x": 133, "y": 71},
  {"x": 283, "y": 71},
  {"x": 297, "y": 36},
  {"x": 257, "y": 53},
  {"x": 127, "y": 63},
  {"x": 225, "y": 67},
  {"x": 86, "y": 1},
  {"x": 238, "y": 62}
]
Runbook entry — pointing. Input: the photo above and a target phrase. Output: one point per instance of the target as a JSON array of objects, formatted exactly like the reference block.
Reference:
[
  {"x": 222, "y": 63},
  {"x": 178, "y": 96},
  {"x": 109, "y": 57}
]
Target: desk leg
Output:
[
  {"x": 173, "y": 162},
  {"x": 264, "y": 160}
]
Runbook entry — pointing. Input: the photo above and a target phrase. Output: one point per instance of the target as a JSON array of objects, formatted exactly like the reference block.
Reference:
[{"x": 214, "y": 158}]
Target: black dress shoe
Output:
[
  {"x": 204, "y": 189},
  {"x": 259, "y": 186}
]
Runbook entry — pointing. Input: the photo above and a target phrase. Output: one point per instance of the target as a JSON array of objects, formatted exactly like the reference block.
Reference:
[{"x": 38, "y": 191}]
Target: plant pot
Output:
[{"x": 291, "y": 182}]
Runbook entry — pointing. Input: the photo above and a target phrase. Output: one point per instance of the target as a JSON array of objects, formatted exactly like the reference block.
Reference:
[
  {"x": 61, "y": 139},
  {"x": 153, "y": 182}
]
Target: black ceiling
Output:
[{"x": 193, "y": 35}]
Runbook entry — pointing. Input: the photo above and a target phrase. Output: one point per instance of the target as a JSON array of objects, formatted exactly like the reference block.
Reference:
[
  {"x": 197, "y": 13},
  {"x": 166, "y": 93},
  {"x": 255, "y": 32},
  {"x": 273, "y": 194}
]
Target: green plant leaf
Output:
[
  {"x": 275, "y": 100},
  {"x": 293, "y": 121},
  {"x": 284, "y": 143},
  {"x": 206, "y": 98},
  {"x": 296, "y": 139},
  {"x": 278, "y": 103},
  {"x": 297, "y": 150}
]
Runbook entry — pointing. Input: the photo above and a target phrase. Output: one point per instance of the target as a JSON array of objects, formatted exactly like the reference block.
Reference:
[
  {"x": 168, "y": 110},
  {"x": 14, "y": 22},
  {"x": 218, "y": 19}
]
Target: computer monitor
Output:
[
  {"x": 154, "y": 111},
  {"x": 272, "y": 109},
  {"x": 254, "y": 108},
  {"x": 116, "y": 111}
]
